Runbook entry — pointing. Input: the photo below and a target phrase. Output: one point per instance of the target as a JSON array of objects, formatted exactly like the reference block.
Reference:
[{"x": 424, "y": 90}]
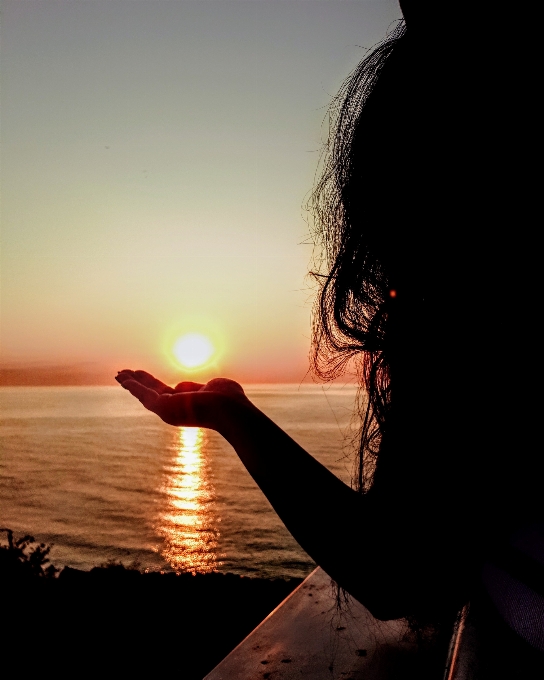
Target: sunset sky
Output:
[{"x": 156, "y": 156}]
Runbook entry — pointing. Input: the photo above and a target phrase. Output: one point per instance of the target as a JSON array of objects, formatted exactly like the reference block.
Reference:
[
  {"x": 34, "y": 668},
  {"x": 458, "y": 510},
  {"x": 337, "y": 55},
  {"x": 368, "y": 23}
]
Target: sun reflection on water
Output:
[{"x": 187, "y": 521}]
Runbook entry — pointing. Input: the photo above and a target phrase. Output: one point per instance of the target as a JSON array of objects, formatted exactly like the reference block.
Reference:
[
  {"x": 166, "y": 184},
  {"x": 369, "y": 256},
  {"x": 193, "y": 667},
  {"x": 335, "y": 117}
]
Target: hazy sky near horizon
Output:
[{"x": 156, "y": 156}]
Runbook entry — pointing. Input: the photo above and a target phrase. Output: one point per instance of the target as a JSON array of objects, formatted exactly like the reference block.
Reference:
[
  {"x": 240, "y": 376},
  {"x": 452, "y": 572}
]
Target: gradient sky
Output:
[{"x": 156, "y": 156}]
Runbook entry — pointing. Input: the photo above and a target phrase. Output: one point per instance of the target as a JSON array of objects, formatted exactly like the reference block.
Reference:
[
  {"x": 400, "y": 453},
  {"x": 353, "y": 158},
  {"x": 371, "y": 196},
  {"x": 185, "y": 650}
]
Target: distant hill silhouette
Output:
[{"x": 13, "y": 375}]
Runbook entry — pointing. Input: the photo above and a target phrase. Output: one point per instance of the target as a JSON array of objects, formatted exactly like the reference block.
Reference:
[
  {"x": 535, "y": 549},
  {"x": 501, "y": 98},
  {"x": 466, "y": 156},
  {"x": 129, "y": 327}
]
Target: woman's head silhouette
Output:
[{"x": 425, "y": 186}]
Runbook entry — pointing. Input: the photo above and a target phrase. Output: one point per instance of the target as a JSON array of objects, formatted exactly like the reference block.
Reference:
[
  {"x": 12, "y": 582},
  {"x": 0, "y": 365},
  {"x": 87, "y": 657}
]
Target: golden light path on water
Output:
[{"x": 186, "y": 524}]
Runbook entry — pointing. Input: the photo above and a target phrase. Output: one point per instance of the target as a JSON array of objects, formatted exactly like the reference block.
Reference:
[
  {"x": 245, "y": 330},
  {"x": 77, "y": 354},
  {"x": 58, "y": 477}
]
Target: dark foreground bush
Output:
[{"x": 118, "y": 621}]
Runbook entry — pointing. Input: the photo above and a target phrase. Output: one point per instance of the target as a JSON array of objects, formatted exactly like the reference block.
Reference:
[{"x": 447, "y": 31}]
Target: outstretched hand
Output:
[
  {"x": 322, "y": 512},
  {"x": 188, "y": 404}
]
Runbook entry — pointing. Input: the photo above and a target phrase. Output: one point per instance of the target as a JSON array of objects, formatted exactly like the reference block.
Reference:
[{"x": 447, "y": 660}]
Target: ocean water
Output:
[{"x": 88, "y": 470}]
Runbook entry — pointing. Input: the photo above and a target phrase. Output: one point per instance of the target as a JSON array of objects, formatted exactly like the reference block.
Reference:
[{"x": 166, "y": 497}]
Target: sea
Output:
[{"x": 90, "y": 472}]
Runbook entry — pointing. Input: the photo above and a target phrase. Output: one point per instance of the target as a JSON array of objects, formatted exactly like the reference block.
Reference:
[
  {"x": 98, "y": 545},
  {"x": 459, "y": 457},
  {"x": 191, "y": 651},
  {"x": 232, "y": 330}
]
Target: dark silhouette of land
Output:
[{"x": 119, "y": 621}]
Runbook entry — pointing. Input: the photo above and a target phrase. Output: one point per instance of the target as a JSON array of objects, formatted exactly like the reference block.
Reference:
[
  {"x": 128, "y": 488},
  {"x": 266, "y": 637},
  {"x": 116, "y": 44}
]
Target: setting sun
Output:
[{"x": 193, "y": 350}]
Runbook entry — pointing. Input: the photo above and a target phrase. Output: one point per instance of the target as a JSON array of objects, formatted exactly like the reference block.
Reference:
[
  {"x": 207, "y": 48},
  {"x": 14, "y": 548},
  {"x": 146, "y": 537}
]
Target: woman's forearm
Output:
[
  {"x": 344, "y": 532},
  {"x": 325, "y": 516}
]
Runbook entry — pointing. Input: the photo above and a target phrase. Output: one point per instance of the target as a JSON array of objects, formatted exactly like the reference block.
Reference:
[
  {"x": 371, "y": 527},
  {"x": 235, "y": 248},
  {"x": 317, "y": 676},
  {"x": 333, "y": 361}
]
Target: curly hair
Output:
[
  {"x": 426, "y": 170},
  {"x": 351, "y": 311}
]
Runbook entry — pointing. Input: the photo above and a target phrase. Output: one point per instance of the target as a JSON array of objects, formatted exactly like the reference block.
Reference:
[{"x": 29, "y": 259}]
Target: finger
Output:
[
  {"x": 153, "y": 383},
  {"x": 125, "y": 374},
  {"x": 145, "y": 379},
  {"x": 122, "y": 378},
  {"x": 148, "y": 397},
  {"x": 188, "y": 386},
  {"x": 226, "y": 386}
]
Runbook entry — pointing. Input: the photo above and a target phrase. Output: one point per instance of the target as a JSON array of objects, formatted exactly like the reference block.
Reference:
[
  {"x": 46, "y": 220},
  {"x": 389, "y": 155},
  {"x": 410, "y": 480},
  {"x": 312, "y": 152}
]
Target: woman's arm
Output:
[{"x": 331, "y": 522}]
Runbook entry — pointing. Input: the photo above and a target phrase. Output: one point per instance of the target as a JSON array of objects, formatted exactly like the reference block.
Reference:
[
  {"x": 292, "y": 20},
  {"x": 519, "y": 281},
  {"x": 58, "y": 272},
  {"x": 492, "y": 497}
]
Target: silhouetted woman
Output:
[{"x": 426, "y": 212}]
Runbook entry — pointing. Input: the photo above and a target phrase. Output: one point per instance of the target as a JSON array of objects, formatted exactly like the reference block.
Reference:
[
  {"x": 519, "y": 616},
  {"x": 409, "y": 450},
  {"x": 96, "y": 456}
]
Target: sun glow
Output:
[{"x": 193, "y": 350}]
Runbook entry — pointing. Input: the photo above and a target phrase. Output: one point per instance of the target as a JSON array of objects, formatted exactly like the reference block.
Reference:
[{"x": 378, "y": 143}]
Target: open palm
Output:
[{"x": 186, "y": 404}]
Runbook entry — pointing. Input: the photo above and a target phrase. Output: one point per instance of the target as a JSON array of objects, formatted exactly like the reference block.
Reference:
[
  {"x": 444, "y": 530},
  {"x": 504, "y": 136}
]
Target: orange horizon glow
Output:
[{"x": 135, "y": 209}]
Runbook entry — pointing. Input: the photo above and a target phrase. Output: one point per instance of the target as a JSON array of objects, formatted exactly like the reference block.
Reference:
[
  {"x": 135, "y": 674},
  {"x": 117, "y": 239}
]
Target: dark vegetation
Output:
[{"x": 117, "y": 620}]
